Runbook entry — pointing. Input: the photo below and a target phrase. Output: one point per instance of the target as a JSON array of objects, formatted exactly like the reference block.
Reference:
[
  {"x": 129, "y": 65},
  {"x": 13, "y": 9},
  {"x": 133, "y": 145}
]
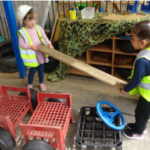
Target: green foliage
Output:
[{"x": 76, "y": 36}]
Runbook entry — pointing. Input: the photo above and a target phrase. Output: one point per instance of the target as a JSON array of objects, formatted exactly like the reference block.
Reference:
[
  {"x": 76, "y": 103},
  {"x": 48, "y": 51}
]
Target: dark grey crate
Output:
[{"x": 93, "y": 134}]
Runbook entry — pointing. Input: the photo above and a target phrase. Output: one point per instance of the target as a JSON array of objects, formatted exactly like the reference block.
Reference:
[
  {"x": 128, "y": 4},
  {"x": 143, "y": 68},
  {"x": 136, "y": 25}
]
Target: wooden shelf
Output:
[
  {"x": 112, "y": 50},
  {"x": 97, "y": 51},
  {"x": 124, "y": 66},
  {"x": 118, "y": 51},
  {"x": 82, "y": 58},
  {"x": 101, "y": 48},
  {"x": 100, "y": 63},
  {"x": 118, "y": 38},
  {"x": 118, "y": 76}
]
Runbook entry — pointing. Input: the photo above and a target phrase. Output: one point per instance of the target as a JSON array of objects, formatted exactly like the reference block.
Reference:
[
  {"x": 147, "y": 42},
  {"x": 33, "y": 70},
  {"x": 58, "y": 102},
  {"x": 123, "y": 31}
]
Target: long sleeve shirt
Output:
[
  {"x": 142, "y": 68},
  {"x": 36, "y": 41}
]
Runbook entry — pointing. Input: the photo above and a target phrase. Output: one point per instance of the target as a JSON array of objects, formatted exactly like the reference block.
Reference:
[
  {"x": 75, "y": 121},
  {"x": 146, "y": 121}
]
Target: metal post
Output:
[{"x": 12, "y": 25}]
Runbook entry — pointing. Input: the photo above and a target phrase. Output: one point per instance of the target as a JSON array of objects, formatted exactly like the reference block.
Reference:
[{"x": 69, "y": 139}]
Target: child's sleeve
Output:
[
  {"x": 142, "y": 68},
  {"x": 22, "y": 43},
  {"x": 47, "y": 41}
]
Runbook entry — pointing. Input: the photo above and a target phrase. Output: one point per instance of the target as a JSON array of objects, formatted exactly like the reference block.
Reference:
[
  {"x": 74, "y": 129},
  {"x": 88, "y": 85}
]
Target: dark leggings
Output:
[
  {"x": 142, "y": 114},
  {"x": 32, "y": 72}
]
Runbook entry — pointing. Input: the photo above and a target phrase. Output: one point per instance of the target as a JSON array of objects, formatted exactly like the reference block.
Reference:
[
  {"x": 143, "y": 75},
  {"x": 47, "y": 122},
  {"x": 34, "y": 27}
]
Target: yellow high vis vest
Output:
[
  {"x": 28, "y": 55},
  {"x": 144, "y": 87}
]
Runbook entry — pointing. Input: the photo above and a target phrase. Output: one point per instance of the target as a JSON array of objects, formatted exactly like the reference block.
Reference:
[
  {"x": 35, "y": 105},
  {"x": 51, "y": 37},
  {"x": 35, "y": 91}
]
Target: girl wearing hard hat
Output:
[{"x": 31, "y": 35}]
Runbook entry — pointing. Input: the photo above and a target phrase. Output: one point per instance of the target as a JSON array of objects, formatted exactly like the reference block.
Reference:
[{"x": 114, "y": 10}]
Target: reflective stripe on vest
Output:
[
  {"x": 40, "y": 36},
  {"x": 28, "y": 55},
  {"x": 144, "y": 87}
]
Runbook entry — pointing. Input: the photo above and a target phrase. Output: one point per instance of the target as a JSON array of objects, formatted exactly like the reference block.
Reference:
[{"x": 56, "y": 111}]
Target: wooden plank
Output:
[
  {"x": 116, "y": 8},
  {"x": 119, "y": 17},
  {"x": 109, "y": 2},
  {"x": 90, "y": 4},
  {"x": 56, "y": 30},
  {"x": 53, "y": 36},
  {"x": 97, "y": 5},
  {"x": 103, "y": 4},
  {"x": 97, "y": 74},
  {"x": 124, "y": 2},
  {"x": 75, "y": 71}
]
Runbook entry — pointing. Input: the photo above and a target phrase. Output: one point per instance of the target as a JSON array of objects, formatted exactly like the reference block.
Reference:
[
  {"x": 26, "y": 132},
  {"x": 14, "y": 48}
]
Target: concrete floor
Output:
[{"x": 85, "y": 91}]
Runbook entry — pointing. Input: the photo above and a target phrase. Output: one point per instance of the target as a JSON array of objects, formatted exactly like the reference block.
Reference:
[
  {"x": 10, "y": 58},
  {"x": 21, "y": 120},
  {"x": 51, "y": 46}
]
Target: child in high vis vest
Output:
[
  {"x": 140, "y": 81},
  {"x": 30, "y": 36}
]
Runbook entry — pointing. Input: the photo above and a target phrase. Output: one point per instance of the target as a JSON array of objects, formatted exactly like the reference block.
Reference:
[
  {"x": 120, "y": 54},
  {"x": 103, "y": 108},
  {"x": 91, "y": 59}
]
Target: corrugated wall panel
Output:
[{"x": 38, "y": 6}]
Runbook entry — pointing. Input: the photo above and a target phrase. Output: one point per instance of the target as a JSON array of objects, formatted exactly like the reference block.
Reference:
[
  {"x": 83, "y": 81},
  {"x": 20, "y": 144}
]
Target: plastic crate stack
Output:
[{"x": 93, "y": 134}]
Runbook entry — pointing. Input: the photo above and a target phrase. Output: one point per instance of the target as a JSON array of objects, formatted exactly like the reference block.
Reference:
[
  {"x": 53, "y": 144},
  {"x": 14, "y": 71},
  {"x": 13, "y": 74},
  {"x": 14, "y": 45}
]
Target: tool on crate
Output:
[
  {"x": 109, "y": 118},
  {"x": 92, "y": 133}
]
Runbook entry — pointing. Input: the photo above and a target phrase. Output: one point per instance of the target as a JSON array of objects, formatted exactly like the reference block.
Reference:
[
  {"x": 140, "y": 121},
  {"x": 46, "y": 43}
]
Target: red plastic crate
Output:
[
  {"x": 13, "y": 107},
  {"x": 49, "y": 121}
]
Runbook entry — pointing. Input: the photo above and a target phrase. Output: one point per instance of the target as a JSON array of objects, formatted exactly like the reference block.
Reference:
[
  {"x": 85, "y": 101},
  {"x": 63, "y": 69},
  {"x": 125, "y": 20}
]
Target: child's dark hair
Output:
[
  {"x": 142, "y": 31},
  {"x": 30, "y": 15}
]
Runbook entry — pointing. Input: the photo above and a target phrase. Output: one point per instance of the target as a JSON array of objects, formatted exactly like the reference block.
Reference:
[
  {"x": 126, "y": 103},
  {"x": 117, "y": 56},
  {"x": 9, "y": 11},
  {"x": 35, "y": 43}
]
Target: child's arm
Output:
[
  {"x": 25, "y": 45},
  {"x": 141, "y": 70},
  {"x": 47, "y": 41},
  {"x": 122, "y": 91}
]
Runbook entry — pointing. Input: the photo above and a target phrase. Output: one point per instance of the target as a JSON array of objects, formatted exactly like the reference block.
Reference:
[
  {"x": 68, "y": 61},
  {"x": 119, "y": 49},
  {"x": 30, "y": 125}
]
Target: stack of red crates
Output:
[
  {"x": 13, "y": 107},
  {"x": 50, "y": 120}
]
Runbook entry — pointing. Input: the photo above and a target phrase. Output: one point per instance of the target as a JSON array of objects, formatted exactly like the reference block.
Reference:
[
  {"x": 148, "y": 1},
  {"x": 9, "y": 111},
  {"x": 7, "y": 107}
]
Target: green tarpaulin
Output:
[{"x": 76, "y": 36}]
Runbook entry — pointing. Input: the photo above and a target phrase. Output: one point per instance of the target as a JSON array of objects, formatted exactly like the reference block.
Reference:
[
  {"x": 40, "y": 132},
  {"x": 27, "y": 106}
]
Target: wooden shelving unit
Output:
[
  {"x": 113, "y": 51},
  {"x": 75, "y": 71}
]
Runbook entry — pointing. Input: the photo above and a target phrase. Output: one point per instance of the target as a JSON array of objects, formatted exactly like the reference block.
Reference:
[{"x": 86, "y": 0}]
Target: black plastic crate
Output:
[{"x": 93, "y": 134}]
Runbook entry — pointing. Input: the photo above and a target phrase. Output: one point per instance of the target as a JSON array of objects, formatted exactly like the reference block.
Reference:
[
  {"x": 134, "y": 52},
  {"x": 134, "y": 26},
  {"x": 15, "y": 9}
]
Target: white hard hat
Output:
[{"x": 22, "y": 11}]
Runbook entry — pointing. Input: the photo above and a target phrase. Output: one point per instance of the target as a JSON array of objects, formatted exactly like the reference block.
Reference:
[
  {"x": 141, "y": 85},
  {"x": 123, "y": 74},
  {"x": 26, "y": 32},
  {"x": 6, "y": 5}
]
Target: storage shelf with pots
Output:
[
  {"x": 112, "y": 56},
  {"x": 122, "y": 73}
]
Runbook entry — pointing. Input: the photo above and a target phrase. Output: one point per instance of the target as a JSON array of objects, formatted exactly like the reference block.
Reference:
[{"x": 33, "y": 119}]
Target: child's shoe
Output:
[
  {"x": 42, "y": 87},
  {"x": 131, "y": 135},
  {"x": 131, "y": 126},
  {"x": 30, "y": 86}
]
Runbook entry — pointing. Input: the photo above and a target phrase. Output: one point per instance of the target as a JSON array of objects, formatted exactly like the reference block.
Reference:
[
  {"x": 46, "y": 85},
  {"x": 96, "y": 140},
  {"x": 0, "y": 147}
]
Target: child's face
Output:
[
  {"x": 137, "y": 43},
  {"x": 30, "y": 23}
]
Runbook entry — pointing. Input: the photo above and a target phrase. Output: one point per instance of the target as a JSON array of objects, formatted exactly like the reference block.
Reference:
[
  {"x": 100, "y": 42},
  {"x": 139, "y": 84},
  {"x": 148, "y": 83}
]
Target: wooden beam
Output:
[
  {"x": 116, "y": 8},
  {"x": 55, "y": 36},
  {"x": 93, "y": 72},
  {"x": 56, "y": 27},
  {"x": 110, "y": 2},
  {"x": 103, "y": 4},
  {"x": 125, "y": 2},
  {"x": 97, "y": 5},
  {"x": 90, "y": 4}
]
